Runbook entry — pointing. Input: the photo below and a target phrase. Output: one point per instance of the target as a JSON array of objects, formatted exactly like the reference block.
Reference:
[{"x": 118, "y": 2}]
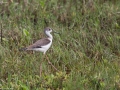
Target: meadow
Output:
[{"x": 86, "y": 52}]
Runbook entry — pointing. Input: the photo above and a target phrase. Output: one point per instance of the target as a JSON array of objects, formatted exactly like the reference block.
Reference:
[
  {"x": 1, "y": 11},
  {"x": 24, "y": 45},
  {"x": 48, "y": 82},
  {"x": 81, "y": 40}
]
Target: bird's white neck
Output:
[{"x": 49, "y": 35}]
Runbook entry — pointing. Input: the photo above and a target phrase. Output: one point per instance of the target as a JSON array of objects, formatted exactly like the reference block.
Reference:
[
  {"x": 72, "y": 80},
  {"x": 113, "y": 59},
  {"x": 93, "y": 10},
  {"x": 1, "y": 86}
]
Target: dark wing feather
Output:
[{"x": 39, "y": 43}]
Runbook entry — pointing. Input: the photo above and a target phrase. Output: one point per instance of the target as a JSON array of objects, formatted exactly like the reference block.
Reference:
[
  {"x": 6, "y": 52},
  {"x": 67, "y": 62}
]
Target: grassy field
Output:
[{"x": 86, "y": 53}]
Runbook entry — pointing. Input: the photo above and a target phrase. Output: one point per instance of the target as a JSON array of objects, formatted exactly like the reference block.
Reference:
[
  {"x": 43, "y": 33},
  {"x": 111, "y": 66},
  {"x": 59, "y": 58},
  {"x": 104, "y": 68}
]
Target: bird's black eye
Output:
[{"x": 49, "y": 29}]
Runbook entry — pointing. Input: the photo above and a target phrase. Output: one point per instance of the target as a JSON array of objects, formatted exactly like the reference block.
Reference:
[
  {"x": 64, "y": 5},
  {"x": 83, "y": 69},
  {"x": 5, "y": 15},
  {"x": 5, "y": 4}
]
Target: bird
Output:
[{"x": 42, "y": 45}]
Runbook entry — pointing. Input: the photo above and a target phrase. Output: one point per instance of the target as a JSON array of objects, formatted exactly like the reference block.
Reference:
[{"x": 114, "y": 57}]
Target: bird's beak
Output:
[{"x": 56, "y": 32}]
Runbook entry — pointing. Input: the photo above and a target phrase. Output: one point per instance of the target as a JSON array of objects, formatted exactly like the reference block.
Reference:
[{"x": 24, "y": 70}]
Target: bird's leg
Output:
[
  {"x": 51, "y": 64},
  {"x": 41, "y": 65}
]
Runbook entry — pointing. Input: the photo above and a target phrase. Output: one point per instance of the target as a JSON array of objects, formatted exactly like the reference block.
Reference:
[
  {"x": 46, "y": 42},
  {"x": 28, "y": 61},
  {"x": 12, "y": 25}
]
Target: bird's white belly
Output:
[{"x": 43, "y": 48}]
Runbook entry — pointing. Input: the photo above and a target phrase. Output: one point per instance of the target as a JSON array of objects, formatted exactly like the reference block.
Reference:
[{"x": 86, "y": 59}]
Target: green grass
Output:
[{"x": 86, "y": 53}]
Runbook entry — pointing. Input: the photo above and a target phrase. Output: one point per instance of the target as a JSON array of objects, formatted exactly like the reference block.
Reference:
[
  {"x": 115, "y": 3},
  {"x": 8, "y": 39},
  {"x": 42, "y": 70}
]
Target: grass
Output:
[{"x": 87, "y": 52}]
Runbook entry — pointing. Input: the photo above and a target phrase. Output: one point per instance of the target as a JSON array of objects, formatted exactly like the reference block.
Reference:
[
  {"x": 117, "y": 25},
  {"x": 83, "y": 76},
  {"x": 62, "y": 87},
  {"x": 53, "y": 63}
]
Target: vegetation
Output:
[{"x": 86, "y": 53}]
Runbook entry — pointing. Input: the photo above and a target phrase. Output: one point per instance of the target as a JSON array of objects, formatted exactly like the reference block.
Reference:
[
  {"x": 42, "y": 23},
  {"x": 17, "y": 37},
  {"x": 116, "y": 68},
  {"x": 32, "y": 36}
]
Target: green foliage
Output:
[{"x": 86, "y": 52}]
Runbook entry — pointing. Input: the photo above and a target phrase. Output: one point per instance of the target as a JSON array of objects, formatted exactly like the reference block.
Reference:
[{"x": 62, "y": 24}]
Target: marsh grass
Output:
[{"x": 86, "y": 52}]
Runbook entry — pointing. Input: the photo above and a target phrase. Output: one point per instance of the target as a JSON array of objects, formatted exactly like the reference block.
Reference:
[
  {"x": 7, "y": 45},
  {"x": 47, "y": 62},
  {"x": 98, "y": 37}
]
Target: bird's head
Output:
[{"x": 48, "y": 30}]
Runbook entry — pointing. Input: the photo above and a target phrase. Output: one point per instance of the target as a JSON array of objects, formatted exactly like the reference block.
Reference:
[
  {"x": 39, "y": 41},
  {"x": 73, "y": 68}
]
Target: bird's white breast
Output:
[{"x": 45, "y": 47}]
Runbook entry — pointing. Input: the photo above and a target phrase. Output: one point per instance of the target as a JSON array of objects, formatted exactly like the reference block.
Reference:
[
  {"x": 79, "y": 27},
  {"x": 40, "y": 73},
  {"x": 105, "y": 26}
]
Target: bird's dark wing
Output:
[{"x": 39, "y": 43}]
